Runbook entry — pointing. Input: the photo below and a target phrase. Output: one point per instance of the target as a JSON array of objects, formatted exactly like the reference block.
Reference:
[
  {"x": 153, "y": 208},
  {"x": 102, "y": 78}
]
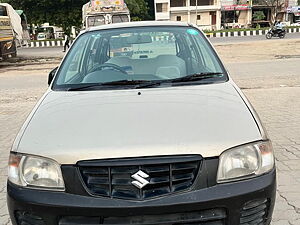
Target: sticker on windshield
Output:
[{"x": 192, "y": 32}]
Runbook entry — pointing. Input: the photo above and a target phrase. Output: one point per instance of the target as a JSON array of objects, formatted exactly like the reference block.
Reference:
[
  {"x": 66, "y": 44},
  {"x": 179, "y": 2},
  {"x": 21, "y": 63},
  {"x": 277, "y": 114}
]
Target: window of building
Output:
[
  {"x": 161, "y": 7},
  {"x": 198, "y": 17},
  {"x": 178, "y": 3},
  {"x": 165, "y": 7},
  {"x": 178, "y": 18},
  {"x": 201, "y": 2},
  {"x": 158, "y": 7},
  {"x": 229, "y": 17}
]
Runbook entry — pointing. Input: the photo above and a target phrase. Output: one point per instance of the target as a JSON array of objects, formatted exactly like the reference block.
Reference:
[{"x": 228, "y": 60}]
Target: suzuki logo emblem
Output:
[{"x": 140, "y": 180}]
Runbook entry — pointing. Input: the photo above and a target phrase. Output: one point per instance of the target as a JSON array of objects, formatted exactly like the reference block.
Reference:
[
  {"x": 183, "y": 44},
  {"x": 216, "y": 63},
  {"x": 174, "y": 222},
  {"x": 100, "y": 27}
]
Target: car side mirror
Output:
[{"x": 51, "y": 75}]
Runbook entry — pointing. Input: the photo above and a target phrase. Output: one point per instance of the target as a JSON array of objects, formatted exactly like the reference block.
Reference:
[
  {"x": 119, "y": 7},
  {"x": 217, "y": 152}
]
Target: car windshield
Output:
[
  {"x": 95, "y": 21},
  {"x": 120, "y": 18},
  {"x": 143, "y": 54}
]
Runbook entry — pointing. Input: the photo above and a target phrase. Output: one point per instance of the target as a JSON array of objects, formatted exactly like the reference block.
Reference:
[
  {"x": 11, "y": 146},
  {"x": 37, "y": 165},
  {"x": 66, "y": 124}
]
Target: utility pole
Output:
[{"x": 197, "y": 12}]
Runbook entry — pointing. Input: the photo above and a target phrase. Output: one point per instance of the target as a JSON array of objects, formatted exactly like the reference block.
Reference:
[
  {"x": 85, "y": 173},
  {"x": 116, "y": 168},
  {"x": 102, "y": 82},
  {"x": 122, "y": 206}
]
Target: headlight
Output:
[
  {"x": 35, "y": 172},
  {"x": 245, "y": 161}
]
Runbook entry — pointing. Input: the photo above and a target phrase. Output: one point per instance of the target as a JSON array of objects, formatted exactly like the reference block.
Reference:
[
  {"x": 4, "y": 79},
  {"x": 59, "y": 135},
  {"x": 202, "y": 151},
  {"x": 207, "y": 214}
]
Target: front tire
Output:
[
  {"x": 269, "y": 35},
  {"x": 14, "y": 55}
]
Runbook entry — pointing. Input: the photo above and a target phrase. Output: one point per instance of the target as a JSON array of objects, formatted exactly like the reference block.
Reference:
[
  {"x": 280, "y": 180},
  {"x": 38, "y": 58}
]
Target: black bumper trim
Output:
[{"x": 231, "y": 196}]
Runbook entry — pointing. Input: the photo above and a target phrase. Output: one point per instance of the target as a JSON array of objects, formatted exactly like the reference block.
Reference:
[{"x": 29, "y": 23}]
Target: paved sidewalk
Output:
[{"x": 279, "y": 109}]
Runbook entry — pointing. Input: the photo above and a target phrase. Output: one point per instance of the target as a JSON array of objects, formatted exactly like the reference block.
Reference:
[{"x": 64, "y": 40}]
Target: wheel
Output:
[
  {"x": 269, "y": 35},
  {"x": 13, "y": 55},
  {"x": 5, "y": 57}
]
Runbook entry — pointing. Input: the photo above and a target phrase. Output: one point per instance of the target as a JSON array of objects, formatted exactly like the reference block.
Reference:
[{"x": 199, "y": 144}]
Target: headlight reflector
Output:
[
  {"x": 245, "y": 161},
  {"x": 34, "y": 171}
]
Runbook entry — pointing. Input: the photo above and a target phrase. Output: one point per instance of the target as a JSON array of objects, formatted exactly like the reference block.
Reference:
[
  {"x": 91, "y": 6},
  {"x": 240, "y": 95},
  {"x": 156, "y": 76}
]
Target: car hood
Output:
[{"x": 203, "y": 119}]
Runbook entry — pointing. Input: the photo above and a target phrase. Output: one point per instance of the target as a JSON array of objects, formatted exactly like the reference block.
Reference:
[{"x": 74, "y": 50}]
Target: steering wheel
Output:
[{"x": 109, "y": 65}]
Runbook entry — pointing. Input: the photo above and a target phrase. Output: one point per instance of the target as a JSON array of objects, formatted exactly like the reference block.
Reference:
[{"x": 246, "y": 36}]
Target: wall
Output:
[
  {"x": 205, "y": 18},
  {"x": 184, "y": 16}
]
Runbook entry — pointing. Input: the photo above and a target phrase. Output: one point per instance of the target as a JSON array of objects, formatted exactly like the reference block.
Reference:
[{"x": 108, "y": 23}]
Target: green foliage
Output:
[
  {"x": 258, "y": 15},
  {"x": 63, "y": 13},
  {"x": 138, "y": 9},
  {"x": 67, "y": 13}
]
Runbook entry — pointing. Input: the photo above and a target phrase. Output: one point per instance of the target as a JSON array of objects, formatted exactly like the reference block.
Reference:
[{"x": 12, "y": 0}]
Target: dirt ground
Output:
[{"x": 259, "y": 50}]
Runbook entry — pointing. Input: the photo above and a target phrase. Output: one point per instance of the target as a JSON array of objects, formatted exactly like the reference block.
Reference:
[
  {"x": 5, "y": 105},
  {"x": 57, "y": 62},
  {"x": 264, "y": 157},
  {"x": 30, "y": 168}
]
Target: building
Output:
[
  {"x": 204, "y": 13},
  {"x": 293, "y": 12},
  {"x": 236, "y": 13}
]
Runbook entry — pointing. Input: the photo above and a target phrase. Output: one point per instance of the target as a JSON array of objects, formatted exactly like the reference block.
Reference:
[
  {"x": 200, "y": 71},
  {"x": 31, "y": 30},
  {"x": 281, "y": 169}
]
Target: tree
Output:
[
  {"x": 62, "y": 13},
  {"x": 138, "y": 9},
  {"x": 258, "y": 15}
]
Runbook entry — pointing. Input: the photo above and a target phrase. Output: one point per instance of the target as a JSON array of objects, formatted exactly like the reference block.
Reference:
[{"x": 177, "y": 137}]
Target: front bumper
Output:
[{"x": 236, "y": 203}]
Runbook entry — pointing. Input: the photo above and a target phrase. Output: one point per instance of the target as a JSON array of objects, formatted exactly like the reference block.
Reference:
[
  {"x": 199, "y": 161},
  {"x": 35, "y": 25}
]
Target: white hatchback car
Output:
[{"x": 142, "y": 125}]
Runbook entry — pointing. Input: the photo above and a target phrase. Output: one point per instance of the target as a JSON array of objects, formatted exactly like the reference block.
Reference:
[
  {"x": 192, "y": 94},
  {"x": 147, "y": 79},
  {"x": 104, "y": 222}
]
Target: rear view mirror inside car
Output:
[{"x": 139, "y": 39}]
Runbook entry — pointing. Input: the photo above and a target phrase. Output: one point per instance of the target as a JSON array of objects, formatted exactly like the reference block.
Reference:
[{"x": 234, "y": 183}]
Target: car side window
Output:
[
  {"x": 208, "y": 61},
  {"x": 73, "y": 67},
  {"x": 93, "y": 58}
]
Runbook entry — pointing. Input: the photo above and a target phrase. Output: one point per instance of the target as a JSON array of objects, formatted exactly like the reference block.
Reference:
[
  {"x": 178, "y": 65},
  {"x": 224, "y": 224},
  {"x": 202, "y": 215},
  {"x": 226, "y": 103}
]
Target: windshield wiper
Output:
[
  {"x": 112, "y": 83},
  {"x": 192, "y": 77},
  {"x": 198, "y": 76},
  {"x": 151, "y": 84},
  {"x": 146, "y": 83}
]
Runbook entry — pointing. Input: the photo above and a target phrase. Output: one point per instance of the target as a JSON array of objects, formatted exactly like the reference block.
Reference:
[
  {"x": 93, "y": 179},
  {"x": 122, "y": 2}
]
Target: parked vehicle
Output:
[
  {"x": 25, "y": 28},
  {"x": 7, "y": 35},
  {"x": 44, "y": 36},
  {"x": 50, "y": 32},
  {"x": 273, "y": 32},
  {"x": 96, "y": 13},
  {"x": 158, "y": 136}
]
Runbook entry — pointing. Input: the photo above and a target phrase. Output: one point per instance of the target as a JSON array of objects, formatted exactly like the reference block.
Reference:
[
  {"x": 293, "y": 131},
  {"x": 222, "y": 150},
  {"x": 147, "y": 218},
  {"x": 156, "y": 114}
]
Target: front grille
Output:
[
  {"x": 205, "y": 217},
  {"x": 25, "y": 218},
  {"x": 6, "y": 33},
  {"x": 112, "y": 178},
  {"x": 254, "y": 212}
]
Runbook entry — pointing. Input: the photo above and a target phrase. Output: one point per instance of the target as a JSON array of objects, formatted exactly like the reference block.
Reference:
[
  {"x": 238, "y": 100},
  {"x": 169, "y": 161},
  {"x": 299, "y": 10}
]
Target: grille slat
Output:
[
  {"x": 160, "y": 180},
  {"x": 166, "y": 175},
  {"x": 254, "y": 212},
  {"x": 205, "y": 217},
  {"x": 25, "y": 218},
  {"x": 179, "y": 177},
  {"x": 120, "y": 181},
  {"x": 97, "y": 180}
]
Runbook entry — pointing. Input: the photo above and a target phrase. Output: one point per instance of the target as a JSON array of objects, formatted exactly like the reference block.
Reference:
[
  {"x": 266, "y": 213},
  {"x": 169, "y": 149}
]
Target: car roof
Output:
[{"x": 138, "y": 24}]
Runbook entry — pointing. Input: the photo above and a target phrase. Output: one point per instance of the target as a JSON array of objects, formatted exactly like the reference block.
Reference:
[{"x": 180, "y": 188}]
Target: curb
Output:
[
  {"x": 247, "y": 33},
  {"x": 45, "y": 44}
]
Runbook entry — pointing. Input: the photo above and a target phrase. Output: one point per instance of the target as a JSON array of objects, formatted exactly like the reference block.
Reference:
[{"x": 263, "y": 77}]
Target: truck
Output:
[
  {"x": 96, "y": 12},
  {"x": 7, "y": 33}
]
